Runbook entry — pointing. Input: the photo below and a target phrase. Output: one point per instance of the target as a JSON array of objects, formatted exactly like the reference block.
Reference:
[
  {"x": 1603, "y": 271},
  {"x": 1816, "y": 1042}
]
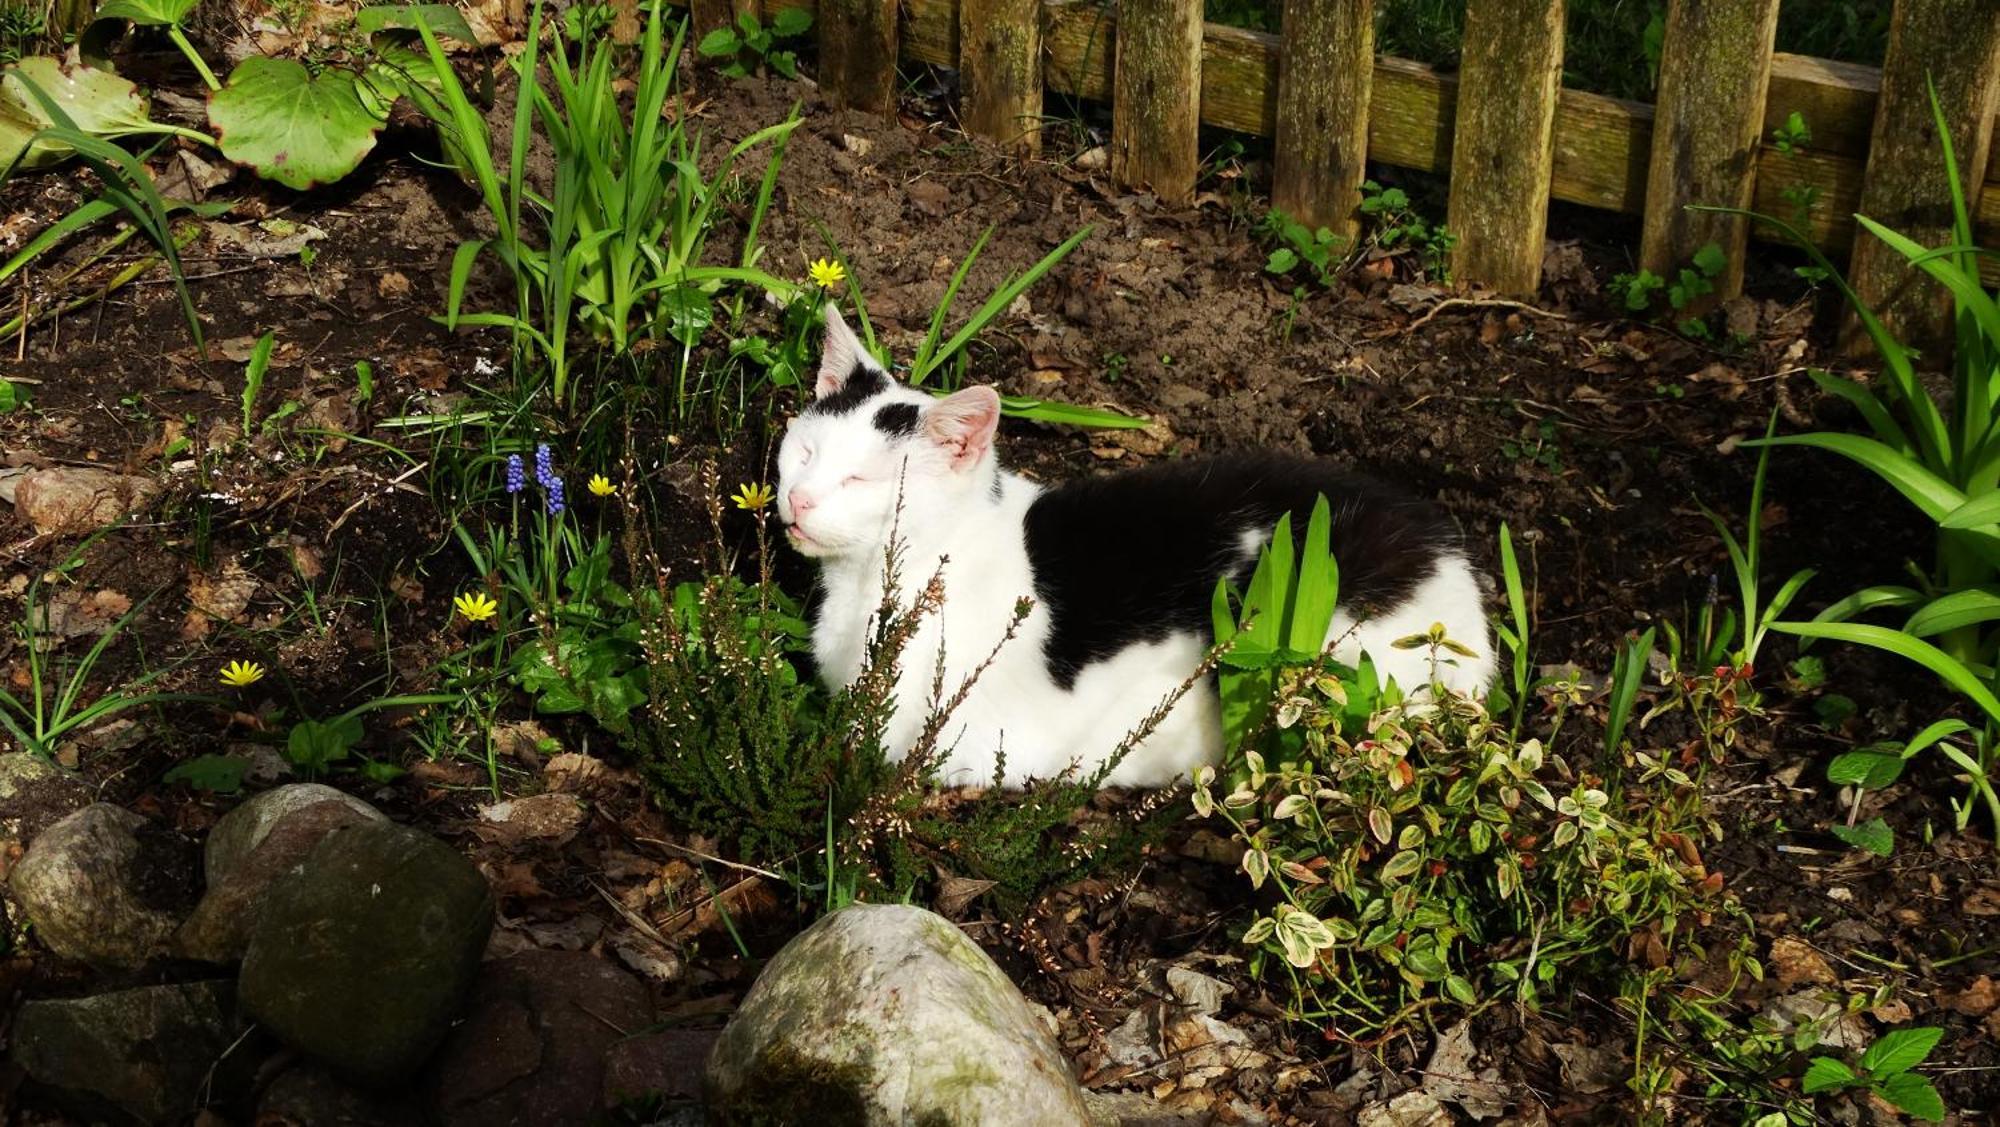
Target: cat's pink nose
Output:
[{"x": 801, "y": 503}]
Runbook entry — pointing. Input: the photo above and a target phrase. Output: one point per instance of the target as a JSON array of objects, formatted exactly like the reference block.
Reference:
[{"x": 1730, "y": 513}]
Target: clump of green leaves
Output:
[
  {"x": 1295, "y": 246},
  {"x": 1396, "y": 225},
  {"x": 750, "y": 45},
  {"x": 1640, "y": 290},
  {"x": 1885, "y": 1070}
]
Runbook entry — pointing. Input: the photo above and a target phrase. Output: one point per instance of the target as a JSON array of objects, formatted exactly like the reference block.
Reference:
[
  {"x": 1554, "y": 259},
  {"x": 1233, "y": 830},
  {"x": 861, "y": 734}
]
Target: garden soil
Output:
[{"x": 1596, "y": 438}]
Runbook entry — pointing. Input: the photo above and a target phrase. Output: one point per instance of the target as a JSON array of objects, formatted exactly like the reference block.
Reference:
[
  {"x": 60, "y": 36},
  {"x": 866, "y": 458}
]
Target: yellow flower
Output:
[
  {"x": 242, "y": 674},
  {"x": 476, "y": 606},
  {"x": 601, "y": 485},
  {"x": 753, "y": 497},
  {"x": 827, "y": 275}
]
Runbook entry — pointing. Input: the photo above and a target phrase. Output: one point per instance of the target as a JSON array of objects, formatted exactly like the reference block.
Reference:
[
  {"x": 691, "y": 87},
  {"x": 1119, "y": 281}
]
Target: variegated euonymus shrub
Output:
[{"x": 1419, "y": 855}]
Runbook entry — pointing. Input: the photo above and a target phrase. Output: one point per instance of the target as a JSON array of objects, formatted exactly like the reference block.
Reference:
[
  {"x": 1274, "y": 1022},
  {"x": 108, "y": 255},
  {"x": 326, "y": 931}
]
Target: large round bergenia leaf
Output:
[
  {"x": 292, "y": 126},
  {"x": 147, "y": 13},
  {"x": 97, "y": 102}
]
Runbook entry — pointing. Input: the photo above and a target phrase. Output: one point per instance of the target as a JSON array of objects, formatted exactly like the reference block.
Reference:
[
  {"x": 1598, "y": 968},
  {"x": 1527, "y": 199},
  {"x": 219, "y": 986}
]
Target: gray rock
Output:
[
  {"x": 663, "y": 1066},
  {"x": 236, "y": 837},
  {"x": 252, "y": 847},
  {"x": 103, "y": 887},
  {"x": 153, "y": 1052},
  {"x": 34, "y": 795},
  {"x": 532, "y": 1047},
  {"x": 307, "y": 1095},
  {"x": 882, "y": 1014},
  {"x": 69, "y": 500},
  {"x": 363, "y": 952}
]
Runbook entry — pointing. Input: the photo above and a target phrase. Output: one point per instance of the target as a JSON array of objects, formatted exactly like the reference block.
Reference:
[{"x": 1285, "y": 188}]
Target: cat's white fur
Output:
[{"x": 850, "y": 475}]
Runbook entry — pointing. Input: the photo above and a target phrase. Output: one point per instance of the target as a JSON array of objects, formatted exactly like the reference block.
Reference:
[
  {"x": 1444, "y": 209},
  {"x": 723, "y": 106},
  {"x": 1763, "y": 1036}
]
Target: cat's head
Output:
[{"x": 868, "y": 444}]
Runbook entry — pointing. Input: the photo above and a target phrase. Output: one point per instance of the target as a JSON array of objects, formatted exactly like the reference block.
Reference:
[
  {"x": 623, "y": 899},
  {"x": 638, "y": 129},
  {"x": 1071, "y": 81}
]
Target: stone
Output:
[
  {"x": 532, "y": 1047},
  {"x": 248, "y": 850},
  {"x": 888, "y": 1014},
  {"x": 662, "y": 1067},
  {"x": 152, "y": 1053},
  {"x": 243, "y": 829},
  {"x": 363, "y": 952},
  {"x": 71, "y": 500},
  {"x": 103, "y": 887},
  {"x": 308, "y": 1095},
  {"x": 34, "y": 795}
]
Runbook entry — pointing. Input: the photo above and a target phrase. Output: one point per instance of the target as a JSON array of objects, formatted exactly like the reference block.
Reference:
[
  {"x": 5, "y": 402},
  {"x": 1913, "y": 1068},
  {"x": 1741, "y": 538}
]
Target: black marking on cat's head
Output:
[
  {"x": 862, "y": 384},
  {"x": 897, "y": 420}
]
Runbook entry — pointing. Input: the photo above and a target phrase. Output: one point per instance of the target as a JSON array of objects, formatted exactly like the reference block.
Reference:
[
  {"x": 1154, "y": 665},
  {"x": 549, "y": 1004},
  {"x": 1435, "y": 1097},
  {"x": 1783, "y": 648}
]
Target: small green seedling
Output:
[
  {"x": 1397, "y": 226},
  {"x": 1694, "y": 281},
  {"x": 750, "y": 45},
  {"x": 253, "y": 379},
  {"x": 1885, "y": 1071},
  {"x": 1873, "y": 768},
  {"x": 1319, "y": 251}
]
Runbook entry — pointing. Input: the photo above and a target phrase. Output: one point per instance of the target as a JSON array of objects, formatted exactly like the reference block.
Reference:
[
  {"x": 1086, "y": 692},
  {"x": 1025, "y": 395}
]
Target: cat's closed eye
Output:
[{"x": 854, "y": 479}]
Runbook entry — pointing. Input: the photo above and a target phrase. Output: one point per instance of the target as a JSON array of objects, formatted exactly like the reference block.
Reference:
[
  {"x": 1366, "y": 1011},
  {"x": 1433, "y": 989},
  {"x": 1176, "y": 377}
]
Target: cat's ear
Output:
[
  {"x": 962, "y": 425},
  {"x": 841, "y": 355}
]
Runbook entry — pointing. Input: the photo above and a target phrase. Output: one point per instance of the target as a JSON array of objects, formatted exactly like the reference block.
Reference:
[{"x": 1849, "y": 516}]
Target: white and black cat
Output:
[{"x": 1121, "y": 569}]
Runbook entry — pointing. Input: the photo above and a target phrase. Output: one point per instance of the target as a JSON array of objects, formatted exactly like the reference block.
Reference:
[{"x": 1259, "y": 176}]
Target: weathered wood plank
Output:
[
  {"x": 1715, "y": 67},
  {"x": 857, "y": 53},
  {"x": 1001, "y": 69},
  {"x": 1326, "y": 68},
  {"x": 1954, "y": 44},
  {"x": 1155, "y": 102},
  {"x": 1503, "y": 144},
  {"x": 707, "y": 15}
]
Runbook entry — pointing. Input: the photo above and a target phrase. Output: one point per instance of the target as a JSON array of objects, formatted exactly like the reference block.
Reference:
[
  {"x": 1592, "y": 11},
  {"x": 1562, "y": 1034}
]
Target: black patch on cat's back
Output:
[
  {"x": 1133, "y": 557},
  {"x": 897, "y": 420},
  {"x": 863, "y": 383}
]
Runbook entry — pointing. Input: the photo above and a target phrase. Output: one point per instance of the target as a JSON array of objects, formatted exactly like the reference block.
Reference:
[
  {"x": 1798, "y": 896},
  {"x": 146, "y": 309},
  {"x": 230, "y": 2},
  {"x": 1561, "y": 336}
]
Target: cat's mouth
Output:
[{"x": 800, "y": 538}]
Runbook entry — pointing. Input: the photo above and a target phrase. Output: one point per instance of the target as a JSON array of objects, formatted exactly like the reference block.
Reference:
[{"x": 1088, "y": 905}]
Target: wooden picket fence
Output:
[{"x": 1503, "y": 128}]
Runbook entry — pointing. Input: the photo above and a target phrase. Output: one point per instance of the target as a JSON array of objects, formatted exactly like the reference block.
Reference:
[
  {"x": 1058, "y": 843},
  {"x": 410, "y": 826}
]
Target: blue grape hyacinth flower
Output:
[
  {"x": 516, "y": 474},
  {"x": 545, "y": 470}
]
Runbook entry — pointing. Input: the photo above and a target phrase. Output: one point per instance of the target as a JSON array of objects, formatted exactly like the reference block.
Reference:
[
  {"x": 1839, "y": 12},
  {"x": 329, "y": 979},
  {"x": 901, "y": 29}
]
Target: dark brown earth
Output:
[{"x": 1596, "y": 438}]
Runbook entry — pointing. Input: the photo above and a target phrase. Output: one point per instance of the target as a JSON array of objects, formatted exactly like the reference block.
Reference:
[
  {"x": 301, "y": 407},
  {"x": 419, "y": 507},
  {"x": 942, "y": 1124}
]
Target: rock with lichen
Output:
[{"x": 886, "y": 1014}]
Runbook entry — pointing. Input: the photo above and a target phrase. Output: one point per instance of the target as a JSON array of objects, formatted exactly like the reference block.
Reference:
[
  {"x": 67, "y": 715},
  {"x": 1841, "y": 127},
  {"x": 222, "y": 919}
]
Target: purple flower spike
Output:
[
  {"x": 516, "y": 476},
  {"x": 545, "y": 471},
  {"x": 555, "y": 491}
]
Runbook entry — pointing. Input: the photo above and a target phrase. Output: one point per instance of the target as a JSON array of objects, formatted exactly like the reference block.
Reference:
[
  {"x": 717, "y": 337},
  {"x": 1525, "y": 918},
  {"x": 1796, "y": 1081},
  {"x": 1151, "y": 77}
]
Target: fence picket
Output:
[
  {"x": 1156, "y": 97},
  {"x": 1956, "y": 44},
  {"x": 1503, "y": 141},
  {"x": 1326, "y": 70},
  {"x": 1708, "y": 124},
  {"x": 1000, "y": 51},
  {"x": 857, "y": 52}
]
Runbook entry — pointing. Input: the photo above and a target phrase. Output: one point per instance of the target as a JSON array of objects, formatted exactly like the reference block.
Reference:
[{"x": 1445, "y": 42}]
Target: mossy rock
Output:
[
  {"x": 362, "y": 955},
  {"x": 883, "y": 1014},
  {"x": 152, "y": 1053}
]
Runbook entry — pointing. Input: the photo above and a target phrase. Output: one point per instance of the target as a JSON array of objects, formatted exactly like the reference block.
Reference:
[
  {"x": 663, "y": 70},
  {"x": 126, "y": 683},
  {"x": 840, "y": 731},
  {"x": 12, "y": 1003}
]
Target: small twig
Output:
[
  {"x": 394, "y": 483},
  {"x": 639, "y": 923},
  {"x": 699, "y": 855},
  {"x": 1471, "y": 303}
]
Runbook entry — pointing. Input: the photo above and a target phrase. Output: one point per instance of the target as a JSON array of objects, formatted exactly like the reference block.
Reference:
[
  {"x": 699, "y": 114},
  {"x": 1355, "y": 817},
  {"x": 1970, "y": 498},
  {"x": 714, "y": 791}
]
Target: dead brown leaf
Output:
[
  {"x": 1980, "y": 998},
  {"x": 1794, "y": 961}
]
